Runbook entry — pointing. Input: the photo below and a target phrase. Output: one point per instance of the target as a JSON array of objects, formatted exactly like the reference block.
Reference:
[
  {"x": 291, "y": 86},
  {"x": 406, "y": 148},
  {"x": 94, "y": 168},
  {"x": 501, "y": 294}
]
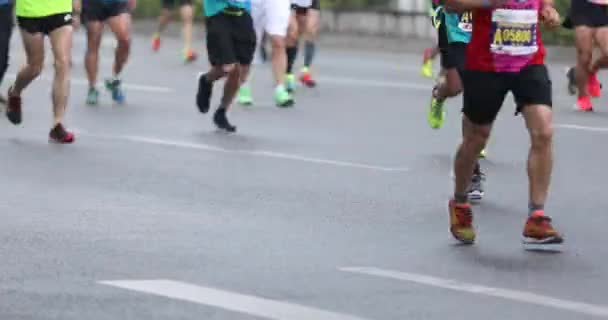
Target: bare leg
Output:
[
  {"x": 539, "y": 120},
  {"x": 474, "y": 140},
  {"x": 584, "y": 50},
  {"x": 232, "y": 84},
  {"x": 121, "y": 27},
  {"x": 94, "y": 33},
  {"x": 61, "y": 41},
  {"x": 34, "y": 50},
  {"x": 163, "y": 20},
  {"x": 187, "y": 17},
  {"x": 279, "y": 59}
]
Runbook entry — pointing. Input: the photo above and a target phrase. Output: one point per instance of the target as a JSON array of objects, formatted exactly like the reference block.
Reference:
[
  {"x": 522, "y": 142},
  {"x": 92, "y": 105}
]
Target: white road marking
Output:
[
  {"x": 376, "y": 83},
  {"x": 513, "y": 295},
  {"x": 130, "y": 86},
  {"x": 582, "y": 128},
  {"x": 232, "y": 301},
  {"x": 259, "y": 153}
]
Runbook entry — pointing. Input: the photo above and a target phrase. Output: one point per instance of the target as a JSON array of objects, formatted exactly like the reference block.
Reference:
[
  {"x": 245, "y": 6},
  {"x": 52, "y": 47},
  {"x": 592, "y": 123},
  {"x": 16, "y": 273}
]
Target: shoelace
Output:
[{"x": 465, "y": 215}]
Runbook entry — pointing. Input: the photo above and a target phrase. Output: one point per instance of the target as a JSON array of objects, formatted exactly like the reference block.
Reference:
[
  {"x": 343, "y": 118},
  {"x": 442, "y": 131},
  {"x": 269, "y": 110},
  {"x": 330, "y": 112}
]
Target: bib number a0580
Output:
[{"x": 514, "y": 32}]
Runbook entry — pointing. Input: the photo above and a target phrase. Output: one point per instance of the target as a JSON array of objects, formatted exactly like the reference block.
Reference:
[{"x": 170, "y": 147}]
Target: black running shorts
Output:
[
  {"x": 44, "y": 25},
  {"x": 484, "y": 92},
  {"x": 102, "y": 10},
  {"x": 316, "y": 5},
  {"x": 585, "y": 13},
  {"x": 171, "y": 4},
  {"x": 230, "y": 38},
  {"x": 453, "y": 56}
]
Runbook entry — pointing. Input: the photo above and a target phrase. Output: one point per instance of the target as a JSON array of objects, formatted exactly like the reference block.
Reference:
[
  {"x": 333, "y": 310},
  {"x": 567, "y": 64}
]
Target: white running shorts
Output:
[{"x": 271, "y": 16}]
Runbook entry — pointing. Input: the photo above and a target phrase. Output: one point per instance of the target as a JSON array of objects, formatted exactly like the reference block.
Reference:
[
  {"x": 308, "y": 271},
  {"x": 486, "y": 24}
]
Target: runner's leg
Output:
[
  {"x": 94, "y": 34},
  {"x": 121, "y": 27},
  {"x": 187, "y": 14},
  {"x": 61, "y": 42},
  {"x": 6, "y": 29},
  {"x": 34, "y": 50},
  {"x": 584, "y": 49}
]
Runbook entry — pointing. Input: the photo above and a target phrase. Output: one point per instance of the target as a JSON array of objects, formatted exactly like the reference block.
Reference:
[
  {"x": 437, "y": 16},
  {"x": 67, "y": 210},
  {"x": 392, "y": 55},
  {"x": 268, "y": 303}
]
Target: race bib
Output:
[
  {"x": 514, "y": 32},
  {"x": 466, "y": 22}
]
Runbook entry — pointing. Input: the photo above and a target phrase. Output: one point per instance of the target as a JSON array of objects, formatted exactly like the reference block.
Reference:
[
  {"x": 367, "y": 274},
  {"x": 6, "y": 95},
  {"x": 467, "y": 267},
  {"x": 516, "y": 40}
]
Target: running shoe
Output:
[
  {"x": 461, "y": 222},
  {"x": 436, "y": 115},
  {"x": 306, "y": 78},
  {"x": 156, "y": 42},
  {"x": 13, "y": 109},
  {"x": 92, "y": 97},
  {"x": 427, "y": 64},
  {"x": 114, "y": 85},
  {"x": 539, "y": 230},
  {"x": 190, "y": 56},
  {"x": 593, "y": 86},
  {"x": 282, "y": 98},
  {"x": 583, "y": 104},
  {"x": 475, "y": 190},
  {"x": 482, "y": 154},
  {"x": 59, "y": 135},
  {"x": 221, "y": 121},
  {"x": 203, "y": 95},
  {"x": 572, "y": 88},
  {"x": 244, "y": 98},
  {"x": 290, "y": 82}
]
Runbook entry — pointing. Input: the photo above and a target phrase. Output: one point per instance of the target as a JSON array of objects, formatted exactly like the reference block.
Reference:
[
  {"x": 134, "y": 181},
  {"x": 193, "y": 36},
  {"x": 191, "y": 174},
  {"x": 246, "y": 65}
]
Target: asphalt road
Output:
[{"x": 334, "y": 209}]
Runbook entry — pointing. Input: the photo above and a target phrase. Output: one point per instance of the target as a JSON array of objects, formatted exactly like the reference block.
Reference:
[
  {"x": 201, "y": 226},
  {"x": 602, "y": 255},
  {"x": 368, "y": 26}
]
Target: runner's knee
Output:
[
  {"x": 541, "y": 137},
  {"x": 229, "y": 68}
]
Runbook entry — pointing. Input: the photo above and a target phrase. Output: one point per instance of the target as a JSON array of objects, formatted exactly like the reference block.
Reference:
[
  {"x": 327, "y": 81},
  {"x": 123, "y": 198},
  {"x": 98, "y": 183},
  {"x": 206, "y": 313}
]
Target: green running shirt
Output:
[{"x": 42, "y": 8}]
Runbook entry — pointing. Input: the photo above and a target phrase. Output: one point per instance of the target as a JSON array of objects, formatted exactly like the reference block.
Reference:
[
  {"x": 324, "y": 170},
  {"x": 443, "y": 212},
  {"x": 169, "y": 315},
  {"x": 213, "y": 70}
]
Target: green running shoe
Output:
[
  {"x": 283, "y": 98},
  {"x": 92, "y": 97},
  {"x": 436, "y": 115},
  {"x": 482, "y": 154},
  {"x": 245, "y": 98},
  {"x": 290, "y": 83}
]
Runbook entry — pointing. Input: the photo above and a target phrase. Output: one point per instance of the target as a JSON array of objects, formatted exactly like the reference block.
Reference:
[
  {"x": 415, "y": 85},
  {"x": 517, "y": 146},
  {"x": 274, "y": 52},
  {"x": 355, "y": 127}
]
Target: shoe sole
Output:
[
  {"x": 286, "y": 104},
  {"x": 546, "y": 241}
]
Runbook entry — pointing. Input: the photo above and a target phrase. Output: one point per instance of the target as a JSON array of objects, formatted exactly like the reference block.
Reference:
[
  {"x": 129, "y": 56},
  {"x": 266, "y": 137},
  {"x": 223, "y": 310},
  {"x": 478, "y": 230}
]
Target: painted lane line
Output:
[
  {"x": 232, "y": 301},
  {"x": 258, "y": 153},
  {"x": 513, "y": 295},
  {"x": 582, "y": 128},
  {"x": 376, "y": 83},
  {"x": 130, "y": 86}
]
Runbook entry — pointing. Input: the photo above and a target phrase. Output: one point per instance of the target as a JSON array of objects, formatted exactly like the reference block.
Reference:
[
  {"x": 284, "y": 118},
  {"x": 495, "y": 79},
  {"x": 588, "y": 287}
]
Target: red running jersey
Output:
[{"x": 506, "y": 39}]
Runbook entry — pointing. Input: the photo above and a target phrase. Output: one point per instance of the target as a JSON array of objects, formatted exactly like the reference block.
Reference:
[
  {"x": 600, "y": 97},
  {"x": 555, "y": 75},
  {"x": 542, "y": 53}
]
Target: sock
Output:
[
  {"x": 535, "y": 207},
  {"x": 309, "y": 53},
  {"x": 461, "y": 197},
  {"x": 292, "y": 53},
  {"x": 280, "y": 88}
]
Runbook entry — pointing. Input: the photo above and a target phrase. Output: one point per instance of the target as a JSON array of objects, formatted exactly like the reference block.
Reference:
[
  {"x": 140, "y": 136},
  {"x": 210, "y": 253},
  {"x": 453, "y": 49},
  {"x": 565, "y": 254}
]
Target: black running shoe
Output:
[
  {"x": 203, "y": 96},
  {"x": 13, "y": 109},
  {"x": 221, "y": 121}
]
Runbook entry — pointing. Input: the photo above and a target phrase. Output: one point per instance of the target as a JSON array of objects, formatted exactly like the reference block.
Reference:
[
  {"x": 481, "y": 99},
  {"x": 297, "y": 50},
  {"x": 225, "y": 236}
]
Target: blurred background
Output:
[{"x": 384, "y": 18}]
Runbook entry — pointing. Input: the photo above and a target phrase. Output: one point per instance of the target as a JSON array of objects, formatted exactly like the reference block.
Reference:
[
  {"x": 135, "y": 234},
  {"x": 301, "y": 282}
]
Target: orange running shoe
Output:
[
  {"x": 593, "y": 86},
  {"x": 306, "y": 78},
  {"x": 156, "y": 42},
  {"x": 190, "y": 56},
  {"x": 461, "y": 222},
  {"x": 583, "y": 104},
  {"x": 539, "y": 230}
]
